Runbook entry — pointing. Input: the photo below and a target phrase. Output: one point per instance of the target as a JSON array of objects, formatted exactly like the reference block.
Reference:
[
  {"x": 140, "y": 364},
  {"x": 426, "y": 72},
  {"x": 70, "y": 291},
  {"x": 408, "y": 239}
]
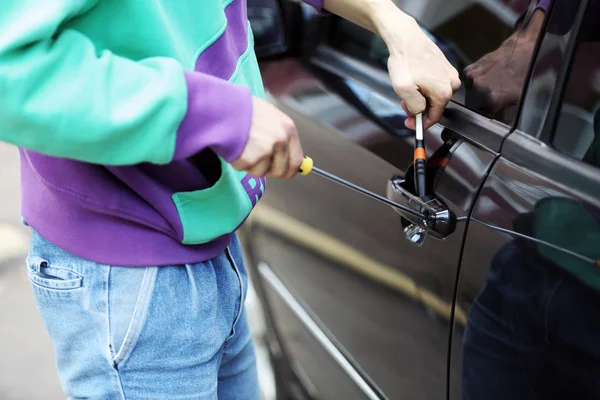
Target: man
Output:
[{"x": 144, "y": 145}]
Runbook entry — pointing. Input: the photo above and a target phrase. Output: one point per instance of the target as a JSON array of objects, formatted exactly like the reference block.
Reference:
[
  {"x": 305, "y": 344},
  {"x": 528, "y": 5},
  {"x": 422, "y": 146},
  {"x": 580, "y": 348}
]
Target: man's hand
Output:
[
  {"x": 273, "y": 148},
  {"x": 495, "y": 81},
  {"x": 420, "y": 73}
]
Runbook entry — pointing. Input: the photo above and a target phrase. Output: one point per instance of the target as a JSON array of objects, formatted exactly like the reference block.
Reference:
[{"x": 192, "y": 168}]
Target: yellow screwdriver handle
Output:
[{"x": 307, "y": 166}]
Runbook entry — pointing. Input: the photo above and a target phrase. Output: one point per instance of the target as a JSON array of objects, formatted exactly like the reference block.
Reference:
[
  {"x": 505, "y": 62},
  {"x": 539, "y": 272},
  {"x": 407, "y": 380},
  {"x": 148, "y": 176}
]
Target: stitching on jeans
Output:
[
  {"x": 110, "y": 350},
  {"x": 107, "y": 299},
  {"x": 138, "y": 317}
]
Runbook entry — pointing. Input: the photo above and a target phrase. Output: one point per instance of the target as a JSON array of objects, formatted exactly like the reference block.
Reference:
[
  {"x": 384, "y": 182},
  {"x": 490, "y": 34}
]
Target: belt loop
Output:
[{"x": 36, "y": 265}]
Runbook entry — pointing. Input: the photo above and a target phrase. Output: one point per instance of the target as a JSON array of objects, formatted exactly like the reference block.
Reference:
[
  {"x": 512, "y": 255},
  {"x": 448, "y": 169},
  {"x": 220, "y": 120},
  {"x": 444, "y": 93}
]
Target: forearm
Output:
[
  {"x": 380, "y": 16},
  {"x": 420, "y": 73}
]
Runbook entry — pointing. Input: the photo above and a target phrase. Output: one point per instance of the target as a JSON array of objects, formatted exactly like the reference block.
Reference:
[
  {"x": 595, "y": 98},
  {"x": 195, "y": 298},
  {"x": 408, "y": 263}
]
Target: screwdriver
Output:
[
  {"x": 308, "y": 166},
  {"x": 420, "y": 158}
]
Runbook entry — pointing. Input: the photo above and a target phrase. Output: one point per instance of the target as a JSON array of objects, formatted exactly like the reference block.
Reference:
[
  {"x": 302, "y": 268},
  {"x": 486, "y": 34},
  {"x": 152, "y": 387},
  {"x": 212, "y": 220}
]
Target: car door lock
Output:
[{"x": 435, "y": 218}]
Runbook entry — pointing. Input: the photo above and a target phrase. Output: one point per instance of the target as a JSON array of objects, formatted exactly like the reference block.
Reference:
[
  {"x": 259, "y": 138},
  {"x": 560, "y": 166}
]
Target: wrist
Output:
[
  {"x": 390, "y": 22},
  {"x": 534, "y": 25}
]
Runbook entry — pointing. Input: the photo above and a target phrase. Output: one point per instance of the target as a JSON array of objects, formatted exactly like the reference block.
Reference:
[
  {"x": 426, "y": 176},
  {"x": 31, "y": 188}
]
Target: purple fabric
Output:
[
  {"x": 317, "y": 4},
  {"x": 125, "y": 215},
  {"x": 212, "y": 100},
  {"x": 208, "y": 123},
  {"x": 86, "y": 228},
  {"x": 544, "y": 5}
]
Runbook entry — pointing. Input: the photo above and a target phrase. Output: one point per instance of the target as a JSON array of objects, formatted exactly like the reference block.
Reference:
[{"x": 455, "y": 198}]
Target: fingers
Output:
[
  {"x": 433, "y": 97},
  {"x": 261, "y": 168},
  {"x": 438, "y": 97},
  {"x": 409, "y": 93},
  {"x": 279, "y": 166},
  {"x": 273, "y": 148},
  {"x": 296, "y": 157},
  {"x": 455, "y": 82},
  {"x": 410, "y": 122}
]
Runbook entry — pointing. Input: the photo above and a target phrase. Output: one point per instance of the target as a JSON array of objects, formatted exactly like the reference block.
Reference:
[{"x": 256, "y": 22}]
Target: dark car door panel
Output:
[
  {"x": 359, "y": 310},
  {"x": 311, "y": 350},
  {"x": 523, "y": 281},
  {"x": 386, "y": 303},
  {"x": 529, "y": 277}
]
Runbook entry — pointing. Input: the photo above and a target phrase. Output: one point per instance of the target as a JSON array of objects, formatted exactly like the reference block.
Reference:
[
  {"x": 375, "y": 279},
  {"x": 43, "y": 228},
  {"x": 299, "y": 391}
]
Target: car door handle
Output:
[{"x": 437, "y": 221}]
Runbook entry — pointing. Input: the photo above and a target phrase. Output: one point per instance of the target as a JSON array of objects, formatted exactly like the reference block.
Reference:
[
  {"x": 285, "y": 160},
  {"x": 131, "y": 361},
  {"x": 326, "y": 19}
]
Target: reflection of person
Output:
[
  {"x": 145, "y": 142},
  {"x": 495, "y": 82},
  {"x": 531, "y": 333}
]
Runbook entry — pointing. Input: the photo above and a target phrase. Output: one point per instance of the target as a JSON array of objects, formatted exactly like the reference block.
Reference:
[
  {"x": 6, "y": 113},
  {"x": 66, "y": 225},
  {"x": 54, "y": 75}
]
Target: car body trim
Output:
[
  {"x": 326, "y": 246},
  {"x": 294, "y": 305}
]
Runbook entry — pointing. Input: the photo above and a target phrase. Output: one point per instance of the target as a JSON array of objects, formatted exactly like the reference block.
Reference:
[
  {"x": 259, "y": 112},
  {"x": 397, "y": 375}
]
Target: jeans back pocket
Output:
[{"x": 47, "y": 276}]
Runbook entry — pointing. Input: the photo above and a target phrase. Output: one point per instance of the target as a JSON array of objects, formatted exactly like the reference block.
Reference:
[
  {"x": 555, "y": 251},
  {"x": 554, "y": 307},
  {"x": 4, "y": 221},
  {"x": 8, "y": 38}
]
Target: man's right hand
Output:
[
  {"x": 273, "y": 148},
  {"x": 495, "y": 82}
]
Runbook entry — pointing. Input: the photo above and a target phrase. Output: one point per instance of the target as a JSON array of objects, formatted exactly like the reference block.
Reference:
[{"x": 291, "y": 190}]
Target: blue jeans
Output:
[{"x": 172, "y": 332}]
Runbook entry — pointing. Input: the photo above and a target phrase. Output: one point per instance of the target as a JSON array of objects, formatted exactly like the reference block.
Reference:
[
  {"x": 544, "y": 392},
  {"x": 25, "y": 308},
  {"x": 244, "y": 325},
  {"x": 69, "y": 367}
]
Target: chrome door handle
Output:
[{"x": 438, "y": 221}]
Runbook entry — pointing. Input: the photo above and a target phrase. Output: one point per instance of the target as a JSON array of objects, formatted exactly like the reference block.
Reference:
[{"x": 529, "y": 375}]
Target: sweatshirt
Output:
[{"x": 127, "y": 114}]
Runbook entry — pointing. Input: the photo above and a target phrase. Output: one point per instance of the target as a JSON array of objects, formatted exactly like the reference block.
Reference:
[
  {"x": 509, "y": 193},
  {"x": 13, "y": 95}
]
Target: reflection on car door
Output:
[
  {"x": 336, "y": 264},
  {"x": 362, "y": 312},
  {"x": 529, "y": 279}
]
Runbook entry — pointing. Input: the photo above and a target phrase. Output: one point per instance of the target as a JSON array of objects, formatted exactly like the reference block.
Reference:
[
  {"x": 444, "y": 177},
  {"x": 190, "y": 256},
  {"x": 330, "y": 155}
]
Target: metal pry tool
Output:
[{"x": 308, "y": 166}]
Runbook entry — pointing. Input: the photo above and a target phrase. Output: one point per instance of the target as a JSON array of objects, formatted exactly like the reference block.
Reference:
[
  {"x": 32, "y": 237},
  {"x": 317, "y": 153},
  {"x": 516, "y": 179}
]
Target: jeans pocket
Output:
[
  {"x": 55, "y": 278},
  {"x": 130, "y": 293}
]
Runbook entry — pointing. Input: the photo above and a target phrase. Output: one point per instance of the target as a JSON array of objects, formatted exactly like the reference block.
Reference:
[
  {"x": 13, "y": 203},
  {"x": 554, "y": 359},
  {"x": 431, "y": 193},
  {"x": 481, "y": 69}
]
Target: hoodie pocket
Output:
[{"x": 219, "y": 210}]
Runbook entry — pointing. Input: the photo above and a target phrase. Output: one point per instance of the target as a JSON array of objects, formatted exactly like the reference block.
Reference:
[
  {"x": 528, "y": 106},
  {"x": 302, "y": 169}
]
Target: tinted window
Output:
[
  {"x": 577, "y": 132},
  {"x": 490, "y": 42}
]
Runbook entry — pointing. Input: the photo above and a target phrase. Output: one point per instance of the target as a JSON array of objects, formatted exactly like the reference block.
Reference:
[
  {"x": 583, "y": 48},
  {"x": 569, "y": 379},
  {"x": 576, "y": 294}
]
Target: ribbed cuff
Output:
[{"x": 218, "y": 116}]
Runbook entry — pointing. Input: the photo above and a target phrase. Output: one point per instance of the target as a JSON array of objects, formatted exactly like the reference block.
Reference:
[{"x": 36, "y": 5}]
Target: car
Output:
[{"x": 363, "y": 300}]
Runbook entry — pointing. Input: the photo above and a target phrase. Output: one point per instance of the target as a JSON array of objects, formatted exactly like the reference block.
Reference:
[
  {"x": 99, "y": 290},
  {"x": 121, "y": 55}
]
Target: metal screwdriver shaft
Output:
[{"x": 308, "y": 166}]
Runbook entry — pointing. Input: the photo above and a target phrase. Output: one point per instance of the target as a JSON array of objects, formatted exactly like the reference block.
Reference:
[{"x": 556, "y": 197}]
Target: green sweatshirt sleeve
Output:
[{"x": 62, "y": 97}]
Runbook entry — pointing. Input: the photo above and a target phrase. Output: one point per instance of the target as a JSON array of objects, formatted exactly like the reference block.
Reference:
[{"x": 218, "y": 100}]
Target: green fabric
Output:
[
  {"x": 565, "y": 223},
  {"x": 210, "y": 213},
  {"x": 64, "y": 95}
]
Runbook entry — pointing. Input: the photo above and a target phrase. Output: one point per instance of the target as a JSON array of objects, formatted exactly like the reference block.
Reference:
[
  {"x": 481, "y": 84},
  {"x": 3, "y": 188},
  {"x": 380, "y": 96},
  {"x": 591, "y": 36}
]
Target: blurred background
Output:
[{"x": 26, "y": 357}]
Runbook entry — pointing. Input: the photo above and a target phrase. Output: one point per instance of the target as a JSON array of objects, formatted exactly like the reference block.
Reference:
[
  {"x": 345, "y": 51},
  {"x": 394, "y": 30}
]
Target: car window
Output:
[
  {"x": 577, "y": 132},
  {"x": 489, "y": 42}
]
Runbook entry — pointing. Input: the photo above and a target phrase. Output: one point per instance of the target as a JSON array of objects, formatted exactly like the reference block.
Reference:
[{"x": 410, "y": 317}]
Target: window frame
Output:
[
  {"x": 552, "y": 107},
  {"x": 556, "y": 101},
  {"x": 533, "y": 150}
]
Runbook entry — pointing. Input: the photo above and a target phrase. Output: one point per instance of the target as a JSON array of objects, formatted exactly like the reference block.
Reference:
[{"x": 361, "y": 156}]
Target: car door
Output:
[
  {"x": 359, "y": 310},
  {"x": 529, "y": 274}
]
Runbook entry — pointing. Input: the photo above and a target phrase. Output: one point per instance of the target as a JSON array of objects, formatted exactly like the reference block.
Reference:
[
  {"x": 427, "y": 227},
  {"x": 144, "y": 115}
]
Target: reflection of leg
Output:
[
  {"x": 503, "y": 345},
  {"x": 573, "y": 328},
  {"x": 493, "y": 367}
]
